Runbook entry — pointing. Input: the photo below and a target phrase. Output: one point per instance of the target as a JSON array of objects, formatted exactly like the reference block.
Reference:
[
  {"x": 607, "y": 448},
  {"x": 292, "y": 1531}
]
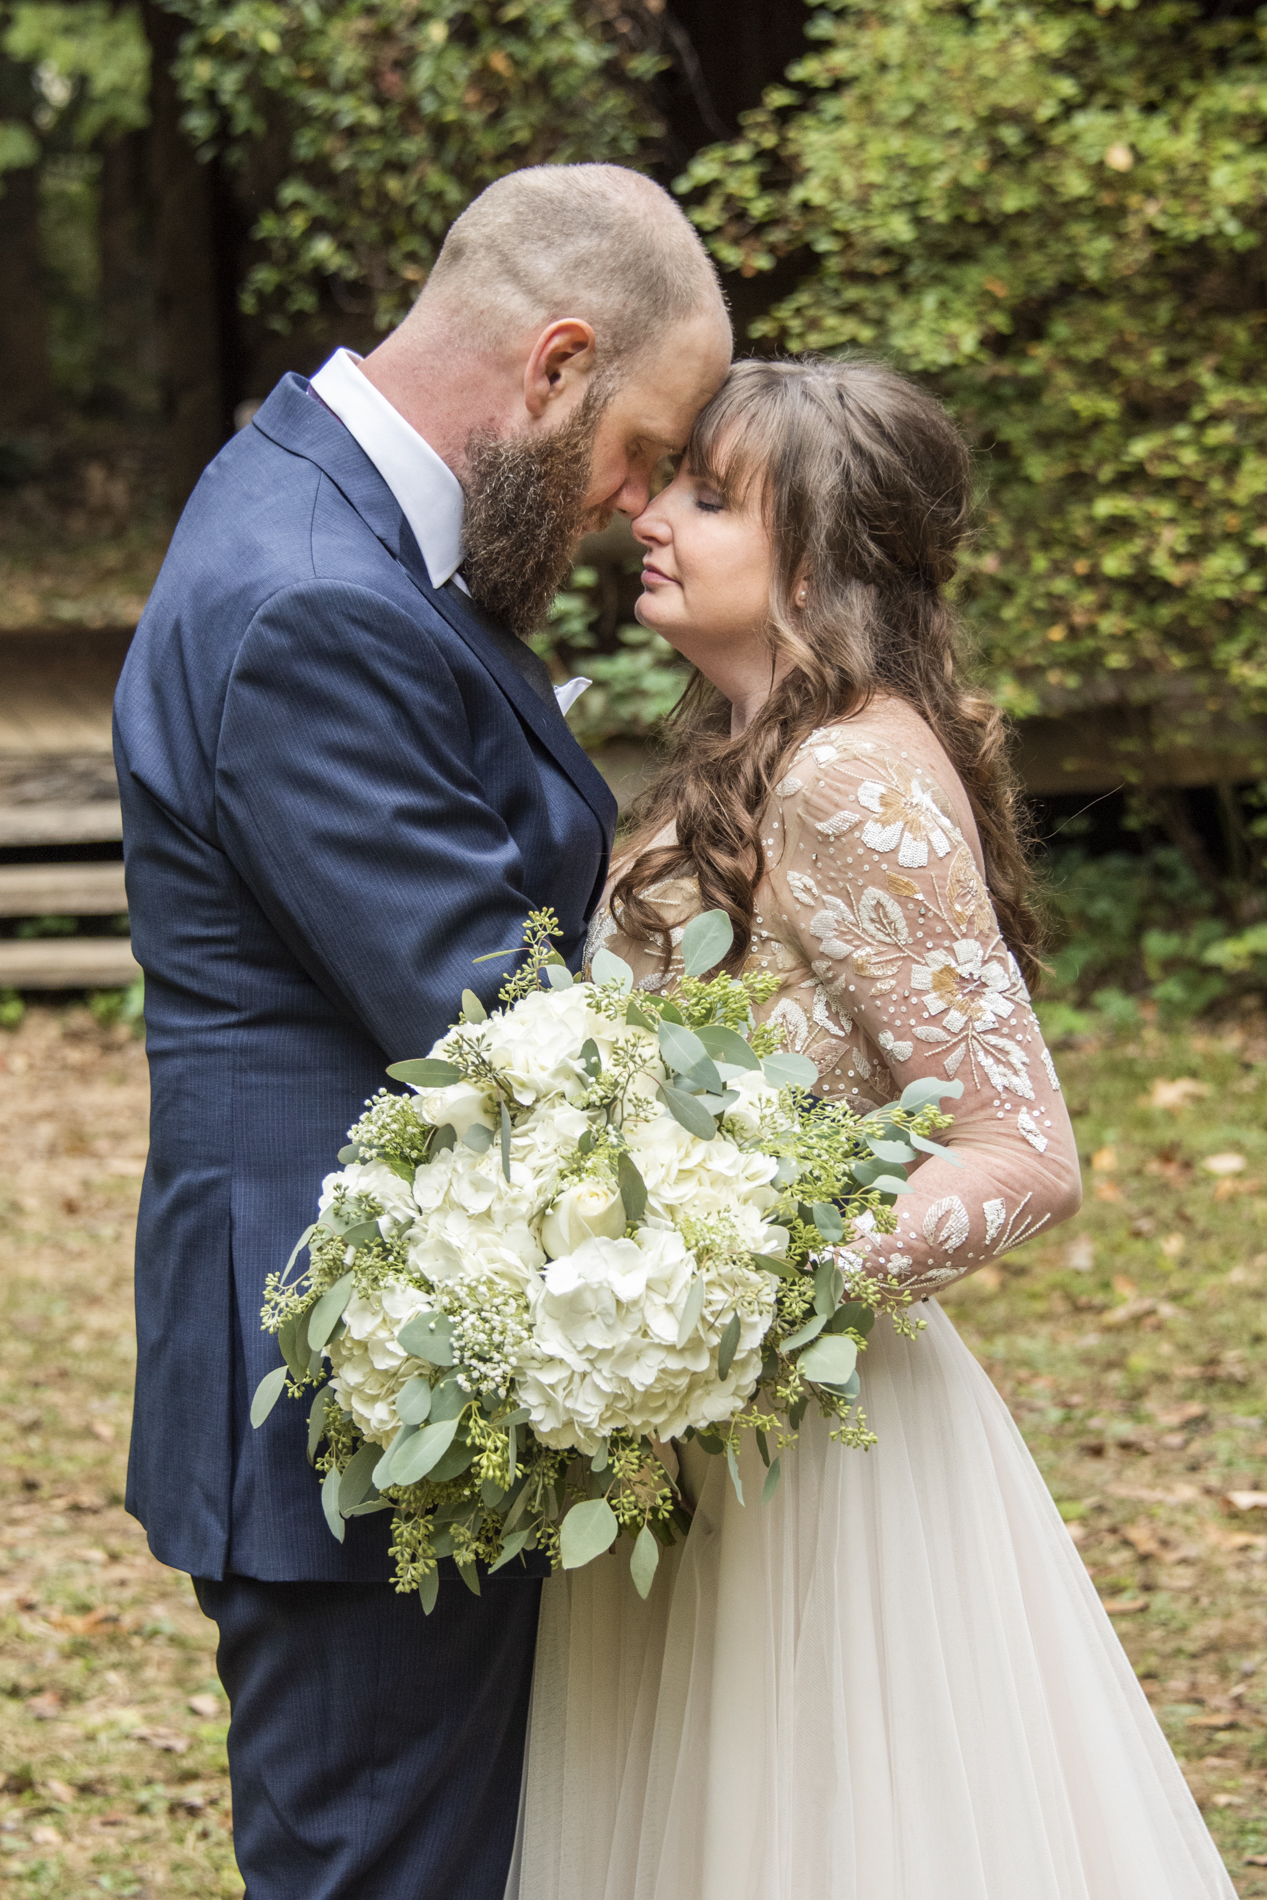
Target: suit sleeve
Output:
[{"x": 348, "y": 803}]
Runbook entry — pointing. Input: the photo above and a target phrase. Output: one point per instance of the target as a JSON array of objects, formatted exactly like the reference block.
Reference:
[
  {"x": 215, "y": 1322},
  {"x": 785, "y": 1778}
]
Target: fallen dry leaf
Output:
[
  {"x": 1104, "y": 1160},
  {"x": 1176, "y": 1094},
  {"x": 207, "y": 1706},
  {"x": 1223, "y": 1164},
  {"x": 168, "y": 1739},
  {"x": 1179, "y": 1414},
  {"x": 60, "y": 1791},
  {"x": 1142, "y": 1537},
  {"x": 1247, "y": 1500},
  {"x": 45, "y": 1836},
  {"x": 1080, "y": 1254},
  {"x": 45, "y": 1707},
  {"x": 1124, "y": 1606}
]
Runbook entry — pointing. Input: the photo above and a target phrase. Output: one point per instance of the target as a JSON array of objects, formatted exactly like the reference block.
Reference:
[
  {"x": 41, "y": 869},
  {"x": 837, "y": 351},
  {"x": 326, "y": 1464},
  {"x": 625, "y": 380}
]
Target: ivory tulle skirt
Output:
[{"x": 895, "y": 1681}]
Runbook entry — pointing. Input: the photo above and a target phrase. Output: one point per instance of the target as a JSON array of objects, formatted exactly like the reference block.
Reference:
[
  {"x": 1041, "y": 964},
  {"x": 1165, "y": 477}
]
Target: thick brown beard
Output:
[{"x": 524, "y": 514}]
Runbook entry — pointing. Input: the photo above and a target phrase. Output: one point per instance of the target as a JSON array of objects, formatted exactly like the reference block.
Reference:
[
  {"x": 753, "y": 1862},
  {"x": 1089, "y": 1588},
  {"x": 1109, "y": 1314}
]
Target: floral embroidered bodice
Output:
[{"x": 875, "y": 915}]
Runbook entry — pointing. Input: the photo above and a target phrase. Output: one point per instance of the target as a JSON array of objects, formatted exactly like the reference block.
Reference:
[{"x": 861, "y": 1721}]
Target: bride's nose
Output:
[{"x": 651, "y": 527}]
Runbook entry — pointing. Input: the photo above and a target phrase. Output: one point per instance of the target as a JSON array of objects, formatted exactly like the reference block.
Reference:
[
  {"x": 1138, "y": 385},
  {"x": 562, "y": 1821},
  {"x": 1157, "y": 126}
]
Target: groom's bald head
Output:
[{"x": 596, "y": 242}]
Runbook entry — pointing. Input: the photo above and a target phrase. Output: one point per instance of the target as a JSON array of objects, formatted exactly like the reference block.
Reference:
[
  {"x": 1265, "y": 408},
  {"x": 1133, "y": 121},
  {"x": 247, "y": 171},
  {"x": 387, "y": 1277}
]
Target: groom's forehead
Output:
[{"x": 664, "y": 394}]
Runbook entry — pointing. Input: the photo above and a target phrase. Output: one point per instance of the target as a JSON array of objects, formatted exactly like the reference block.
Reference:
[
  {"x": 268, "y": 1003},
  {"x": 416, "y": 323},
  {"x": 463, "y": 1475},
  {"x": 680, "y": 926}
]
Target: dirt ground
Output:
[{"x": 1129, "y": 1345}]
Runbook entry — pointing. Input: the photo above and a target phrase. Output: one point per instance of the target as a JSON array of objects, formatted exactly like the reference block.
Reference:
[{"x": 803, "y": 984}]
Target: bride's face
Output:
[{"x": 706, "y": 575}]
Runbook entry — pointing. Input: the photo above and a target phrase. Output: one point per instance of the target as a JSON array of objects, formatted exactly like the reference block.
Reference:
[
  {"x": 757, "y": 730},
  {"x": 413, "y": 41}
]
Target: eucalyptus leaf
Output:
[
  {"x": 687, "y": 1111},
  {"x": 599, "y": 1461},
  {"x": 669, "y": 1012},
  {"x": 492, "y": 1497},
  {"x": 358, "y": 1477},
  {"x": 828, "y": 1286},
  {"x": 591, "y": 1059},
  {"x": 706, "y": 1075},
  {"x": 691, "y": 1311},
  {"x": 587, "y": 1531},
  {"x": 423, "y": 1451},
  {"x": 478, "y": 1138},
  {"x": 369, "y": 1507},
  {"x": 559, "y": 977},
  {"x": 292, "y": 1351},
  {"x": 727, "y": 1346},
  {"x": 330, "y": 1502},
  {"x": 518, "y": 1498},
  {"x": 267, "y": 1393},
  {"x": 607, "y": 968},
  {"x": 470, "y": 1577},
  {"x": 645, "y": 1561},
  {"x": 788, "y": 1070},
  {"x": 867, "y": 1172},
  {"x": 763, "y": 1447},
  {"x": 828, "y": 1222},
  {"x": 733, "y": 1464},
  {"x": 928, "y": 1089},
  {"x": 445, "y": 1137},
  {"x": 771, "y": 1484},
  {"x": 511, "y": 1547},
  {"x": 382, "y": 1470},
  {"x": 362, "y": 1234},
  {"x": 448, "y": 1400},
  {"x": 425, "y": 1072},
  {"x": 633, "y": 1189},
  {"x": 638, "y": 1017},
  {"x": 512, "y": 1452},
  {"x": 681, "y": 1048},
  {"x": 472, "y": 1008},
  {"x": 705, "y": 941},
  {"x": 803, "y": 1334},
  {"x": 830, "y": 1361},
  {"x": 428, "y": 1591},
  {"x": 892, "y": 1184},
  {"x": 892, "y": 1150},
  {"x": 428, "y": 1336},
  {"x": 317, "y": 1421},
  {"x": 327, "y": 1312},
  {"x": 413, "y": 1401},
  {"x": 727, "y": 1045},
  {"x": 442, "y": 1543},
  {"x": 928, "y": 1147},
  {"x": 459, "y": 1456},
  {"x": 852, "y": 1387},
  {"x": 786, "y": 1172},
  {"x": 519, "y": 1416},
  {"x": 350, "y": 1153},
  {"x": 505, "y": 1140},
  {"x": 297, "y": 1249},
  {"x": 858, "y": 1317}
]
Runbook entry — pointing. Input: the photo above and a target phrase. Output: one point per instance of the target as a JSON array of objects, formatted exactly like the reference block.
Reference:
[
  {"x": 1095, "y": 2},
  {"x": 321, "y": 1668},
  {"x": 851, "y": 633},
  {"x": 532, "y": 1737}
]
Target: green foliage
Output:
[
  {"x": 635, "y": 687},
  {"x": 1138, "y": 928},
  {"x": 1053, "y": 212},
  {"x": 393, "y": 116},
  {"x": 90, "y": 66}
]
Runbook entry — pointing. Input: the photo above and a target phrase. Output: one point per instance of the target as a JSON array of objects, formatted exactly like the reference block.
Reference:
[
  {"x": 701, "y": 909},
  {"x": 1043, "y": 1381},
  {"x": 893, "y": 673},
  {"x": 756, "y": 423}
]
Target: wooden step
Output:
[
  {"x": 101, "y": 822},
  {"x": 68, "y": 963},
  {"x": 64, "y": 890}
]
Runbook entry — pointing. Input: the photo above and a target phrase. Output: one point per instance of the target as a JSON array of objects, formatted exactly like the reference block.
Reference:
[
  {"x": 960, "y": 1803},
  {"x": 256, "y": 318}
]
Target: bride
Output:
[{"x": 895, "y": 1680}]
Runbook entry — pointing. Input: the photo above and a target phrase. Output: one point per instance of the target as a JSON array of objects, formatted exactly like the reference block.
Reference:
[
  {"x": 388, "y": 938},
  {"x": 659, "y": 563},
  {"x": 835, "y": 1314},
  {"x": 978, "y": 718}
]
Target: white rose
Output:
[
  {"x": 586, "y": 1209},
  {"x": 461, "y": 1105}
]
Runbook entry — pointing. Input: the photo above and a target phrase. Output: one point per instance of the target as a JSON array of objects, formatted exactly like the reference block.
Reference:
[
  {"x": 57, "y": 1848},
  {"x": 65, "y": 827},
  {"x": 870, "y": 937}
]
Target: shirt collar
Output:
[{"x": 429, "y": 493}]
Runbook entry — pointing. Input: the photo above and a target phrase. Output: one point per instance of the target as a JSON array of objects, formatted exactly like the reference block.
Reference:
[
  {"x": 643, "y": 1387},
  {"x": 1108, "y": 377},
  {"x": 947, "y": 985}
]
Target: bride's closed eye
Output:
[{"x": 708, "y": 501}]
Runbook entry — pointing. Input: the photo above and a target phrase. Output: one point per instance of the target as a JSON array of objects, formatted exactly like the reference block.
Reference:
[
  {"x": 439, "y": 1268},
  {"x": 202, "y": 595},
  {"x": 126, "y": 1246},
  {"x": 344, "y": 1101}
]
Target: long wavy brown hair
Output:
[{"x": 865, "y": 485}]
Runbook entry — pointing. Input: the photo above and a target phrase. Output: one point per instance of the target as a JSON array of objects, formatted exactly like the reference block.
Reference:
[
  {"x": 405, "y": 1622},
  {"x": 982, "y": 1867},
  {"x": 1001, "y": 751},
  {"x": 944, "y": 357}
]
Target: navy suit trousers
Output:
[{"x": 375, "y": 1752}]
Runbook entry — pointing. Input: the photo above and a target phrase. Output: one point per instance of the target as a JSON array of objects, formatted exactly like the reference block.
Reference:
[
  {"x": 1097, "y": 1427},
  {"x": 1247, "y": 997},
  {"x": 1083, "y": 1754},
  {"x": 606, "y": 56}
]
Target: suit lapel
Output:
[{"x": 293, "y": 420}]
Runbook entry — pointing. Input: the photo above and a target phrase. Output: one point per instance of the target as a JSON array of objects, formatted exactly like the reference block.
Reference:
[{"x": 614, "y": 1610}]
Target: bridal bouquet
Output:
[{"x": 601, "y": 1221}]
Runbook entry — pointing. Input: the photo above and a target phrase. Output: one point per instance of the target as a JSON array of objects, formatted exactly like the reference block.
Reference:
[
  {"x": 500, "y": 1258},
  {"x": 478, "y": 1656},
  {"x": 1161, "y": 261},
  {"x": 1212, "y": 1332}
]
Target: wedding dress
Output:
[{"x": 894, "y": 1681}]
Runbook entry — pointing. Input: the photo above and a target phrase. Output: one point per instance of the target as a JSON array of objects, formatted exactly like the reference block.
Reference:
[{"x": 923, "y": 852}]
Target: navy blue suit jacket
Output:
[{"x": 339, "y": 787}]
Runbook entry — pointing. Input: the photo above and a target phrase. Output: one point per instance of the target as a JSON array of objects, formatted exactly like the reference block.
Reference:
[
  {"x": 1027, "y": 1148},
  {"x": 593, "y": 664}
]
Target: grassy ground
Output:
[{"x": 1129, "y": 1345}]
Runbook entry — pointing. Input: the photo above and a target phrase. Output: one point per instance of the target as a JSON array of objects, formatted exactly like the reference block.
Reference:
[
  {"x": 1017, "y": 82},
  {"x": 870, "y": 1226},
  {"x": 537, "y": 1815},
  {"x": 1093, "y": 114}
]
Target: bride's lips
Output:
[{"x": 651, "y": 574}]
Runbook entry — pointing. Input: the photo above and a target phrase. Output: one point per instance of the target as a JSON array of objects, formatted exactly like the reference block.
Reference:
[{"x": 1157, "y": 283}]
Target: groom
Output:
[{"x": 344, "y": 778}]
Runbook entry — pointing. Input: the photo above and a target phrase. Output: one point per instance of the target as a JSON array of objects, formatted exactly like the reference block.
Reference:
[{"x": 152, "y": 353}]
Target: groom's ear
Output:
[{"x": 559, "y": 366}]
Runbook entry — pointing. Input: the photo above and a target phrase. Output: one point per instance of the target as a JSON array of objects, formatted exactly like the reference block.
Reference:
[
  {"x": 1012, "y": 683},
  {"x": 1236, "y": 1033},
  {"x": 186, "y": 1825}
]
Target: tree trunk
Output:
[
  {"x": 128, "y": 367},
  {"x": 26, "y": 389},
  {"x": 186, "y": 277}
]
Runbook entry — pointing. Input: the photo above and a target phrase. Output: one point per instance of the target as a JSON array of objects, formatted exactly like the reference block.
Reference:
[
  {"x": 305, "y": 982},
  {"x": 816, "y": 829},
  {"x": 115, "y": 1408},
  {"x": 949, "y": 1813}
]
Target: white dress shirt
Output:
[{"x": 429, "y": 493}]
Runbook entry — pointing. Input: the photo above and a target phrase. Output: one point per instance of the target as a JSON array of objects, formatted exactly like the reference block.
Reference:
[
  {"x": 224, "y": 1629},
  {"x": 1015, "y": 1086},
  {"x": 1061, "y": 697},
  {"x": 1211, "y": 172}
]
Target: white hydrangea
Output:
[
  {"x": 537, "y": 1044},
  {"x": 604, "y": 1355},
  {"x": 369, "y": 1367},
  {"x": 376, "y": 1179}
]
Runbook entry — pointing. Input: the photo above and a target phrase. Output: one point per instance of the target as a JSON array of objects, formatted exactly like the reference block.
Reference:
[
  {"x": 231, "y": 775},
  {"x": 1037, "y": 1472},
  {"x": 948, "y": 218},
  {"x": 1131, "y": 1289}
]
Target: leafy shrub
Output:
[
  {"x": 393, "y": 115},
  {"x": 1053, "y": 212}
]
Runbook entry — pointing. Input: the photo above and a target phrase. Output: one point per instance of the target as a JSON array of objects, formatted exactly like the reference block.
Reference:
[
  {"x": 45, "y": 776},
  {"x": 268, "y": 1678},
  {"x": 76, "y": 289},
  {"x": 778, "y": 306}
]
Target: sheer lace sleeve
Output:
[{"x": 877, "y": 911}]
